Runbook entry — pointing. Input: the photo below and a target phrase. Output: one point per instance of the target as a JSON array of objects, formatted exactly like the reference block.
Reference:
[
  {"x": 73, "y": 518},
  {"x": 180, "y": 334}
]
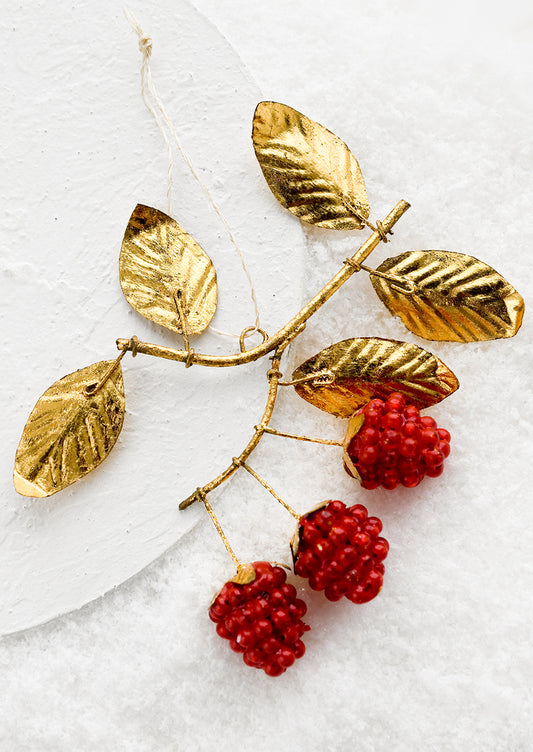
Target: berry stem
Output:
[
  {"x": 294, "y": 326},
  {"x": 273, "y": 375},
  {"x": 274, "y": 432},
  {"x": 269, "y": 488},
  {"x": 200, "y": 495}
]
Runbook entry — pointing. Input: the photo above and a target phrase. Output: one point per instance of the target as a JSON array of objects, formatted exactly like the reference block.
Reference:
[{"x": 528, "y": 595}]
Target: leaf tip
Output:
[{"x": 25, "y": 487}]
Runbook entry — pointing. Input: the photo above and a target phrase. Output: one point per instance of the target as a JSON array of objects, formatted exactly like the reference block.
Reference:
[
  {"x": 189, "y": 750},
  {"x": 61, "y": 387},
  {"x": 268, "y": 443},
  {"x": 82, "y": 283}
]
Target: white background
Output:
[{"x": 435, "y": 103}]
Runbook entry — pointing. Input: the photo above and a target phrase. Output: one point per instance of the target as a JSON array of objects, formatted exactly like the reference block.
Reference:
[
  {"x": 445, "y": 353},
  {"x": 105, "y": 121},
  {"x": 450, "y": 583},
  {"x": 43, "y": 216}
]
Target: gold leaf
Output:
[
  {"x": 354, "y": 426},
  {"x": 68, "y": 432},
  {"x": 368, "y": 367},
  {"x": 159, "y": 261},
  {"x": 295, "y": 544},
  {"x": 454, "y": 297},
  {"x": 295, "y": 539},
  {"x": 245, "y": 574},
  {"x": 308, "y": 169}
]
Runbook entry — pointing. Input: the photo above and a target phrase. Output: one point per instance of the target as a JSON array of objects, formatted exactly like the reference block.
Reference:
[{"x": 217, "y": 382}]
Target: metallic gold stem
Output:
[
  {"x": 200, "y": 495},
  {"x": 273, "y": 376},
  {"x": 269, "y": 488},
  {"x": 93, "y": 389},
  {"x": 274, "y": 432},
  {"x": 178, "y": 299},
  {"x": 293, "y": 325},
  {"x": 322, "y": 378},
  {"x": 397, "y": 281}
]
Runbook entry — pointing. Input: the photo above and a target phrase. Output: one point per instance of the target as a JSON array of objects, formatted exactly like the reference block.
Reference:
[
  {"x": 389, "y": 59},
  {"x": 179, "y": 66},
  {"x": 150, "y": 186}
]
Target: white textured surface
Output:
[
  {"x": 437, "y": 110},
  {"x": 88, "y": 151}
]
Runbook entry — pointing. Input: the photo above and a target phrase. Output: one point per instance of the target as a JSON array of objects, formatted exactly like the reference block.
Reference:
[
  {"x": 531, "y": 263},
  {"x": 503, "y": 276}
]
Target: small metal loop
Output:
[
  {"x": 248, "y": 333},
  {"x": 353, "y": 264},
  {"x": 273, "y": 372},
  {"x": 190, "y": 358},
  {"x": 199, "y": 494},
  {"x": 395, "y": 280},
  {"x": 134, "y": 344},
  {"x": 410, "y": 286},
  {"x": 381, "y": 230},
  {"x": 237, "y": 461}
]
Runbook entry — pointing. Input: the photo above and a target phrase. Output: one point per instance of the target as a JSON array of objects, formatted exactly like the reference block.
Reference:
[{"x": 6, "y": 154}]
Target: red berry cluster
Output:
[
  {"x": 397, "y": 445},
  {"x": 262, "y": 620},
  {"x": 340, "y": 551}
]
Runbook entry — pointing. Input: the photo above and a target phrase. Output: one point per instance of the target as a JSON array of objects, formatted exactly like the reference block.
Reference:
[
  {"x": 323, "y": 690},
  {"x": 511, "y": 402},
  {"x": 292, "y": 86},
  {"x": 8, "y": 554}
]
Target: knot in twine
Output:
[{"x": 145, "y": 45}]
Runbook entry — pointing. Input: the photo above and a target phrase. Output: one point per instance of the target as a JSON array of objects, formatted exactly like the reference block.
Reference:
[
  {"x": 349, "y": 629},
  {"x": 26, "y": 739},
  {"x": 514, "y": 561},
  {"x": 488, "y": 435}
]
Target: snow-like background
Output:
[{"x": 434, "y": 100}]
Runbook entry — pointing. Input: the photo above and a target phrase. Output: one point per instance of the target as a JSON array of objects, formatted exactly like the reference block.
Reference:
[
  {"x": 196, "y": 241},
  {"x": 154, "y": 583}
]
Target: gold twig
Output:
[
  {"x": 294, "y": 325},
  {"x": 200, "y": 495},
  {"x": 273, "y": 379},
  {"x": 262, "y": 481},
  {"x": 274, "y": 432},
  {"x": 92, "y": 389}
]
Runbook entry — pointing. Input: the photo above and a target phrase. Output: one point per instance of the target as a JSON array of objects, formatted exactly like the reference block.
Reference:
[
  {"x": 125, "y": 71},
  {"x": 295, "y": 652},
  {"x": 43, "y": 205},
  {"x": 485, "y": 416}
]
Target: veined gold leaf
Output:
[
  {"x": 369, "y": 367},
  {"x": 159, "y": 260},
  {"x": 69, "y": 433},
  {"x": 455, "y": 297},
  {"x": 308, "y": 169}
]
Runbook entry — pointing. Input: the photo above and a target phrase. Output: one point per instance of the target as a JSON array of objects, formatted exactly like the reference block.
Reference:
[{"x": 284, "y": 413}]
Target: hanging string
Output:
[
  {"x": 162, "y": 120},
  {"x": 145, "y": 46}
]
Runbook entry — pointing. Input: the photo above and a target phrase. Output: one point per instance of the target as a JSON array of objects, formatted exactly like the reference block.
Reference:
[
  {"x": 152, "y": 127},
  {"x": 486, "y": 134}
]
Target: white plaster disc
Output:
[{"x": 82, "y": 165}]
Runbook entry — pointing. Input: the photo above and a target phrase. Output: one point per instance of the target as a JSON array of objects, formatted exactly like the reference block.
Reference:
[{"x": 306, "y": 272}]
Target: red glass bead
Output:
[
  {"x": 444, "y": 448},
  {"x": 368, "y": 455},
  {"x": 395, "y": 402},
  {"x": 444, "y": 435},
  {"x": 272, "y": 668},
  {"x": 285, "y": 657}
]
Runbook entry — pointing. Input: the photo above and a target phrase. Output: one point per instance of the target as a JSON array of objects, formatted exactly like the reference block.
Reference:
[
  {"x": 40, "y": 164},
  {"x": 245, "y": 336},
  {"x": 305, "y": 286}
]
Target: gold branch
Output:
[
  {"x": 274, "y": 376},
  {"x": 294, "y": 325}
]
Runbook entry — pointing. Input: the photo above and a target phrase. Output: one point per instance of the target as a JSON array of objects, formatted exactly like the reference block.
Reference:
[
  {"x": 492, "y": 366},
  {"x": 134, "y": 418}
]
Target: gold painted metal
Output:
[
  {"x": 368, "y": 367},
  {"x": 71, "y": 429},
  {"x": 274, "y": 432},
  {"x": 268, "y": 487},
  {"x": 159, "y": 259},
  {"x": 308, "y": 169},
  {"x": 454, "y": 297},
  {"x": 178, "y": 300},
  {"x": 248, "y": 332},
  {"x": 293, "y": 327},
  {"x": 354, "y": 426},
  {"x": 295, "y": 540},
  {"x": 321, "y": 378},
  {"x": 245, "y": 574},
  {"x": 273, "y": 378}
]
